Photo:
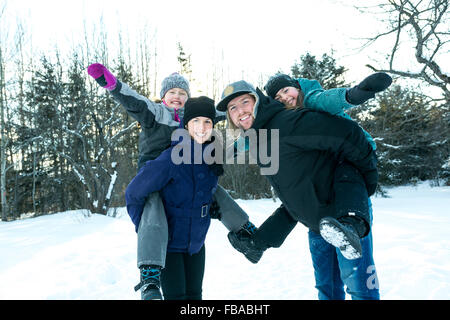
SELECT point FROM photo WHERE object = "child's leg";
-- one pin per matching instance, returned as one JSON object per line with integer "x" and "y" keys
{"x": 275, "y": 228}
{"x": 232, "y": 215}
{"x": 351, "y": 198}
{"x": 271, "y": 233}
{"x": 195, "y": 270}
{"x": 152, "y": 233}
{"x": 351, "y": 221}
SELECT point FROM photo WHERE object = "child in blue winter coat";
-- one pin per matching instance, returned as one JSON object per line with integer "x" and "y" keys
{"x": 187, "y": 192}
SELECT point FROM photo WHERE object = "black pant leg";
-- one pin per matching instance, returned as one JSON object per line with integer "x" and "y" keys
{"x": 351, "y": 193}
{"x": 195, "y": 270}
{"x": 173, "y": 277}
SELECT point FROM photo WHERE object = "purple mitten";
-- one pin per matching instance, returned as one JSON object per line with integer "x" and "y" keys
{"x": 102, "y": 75}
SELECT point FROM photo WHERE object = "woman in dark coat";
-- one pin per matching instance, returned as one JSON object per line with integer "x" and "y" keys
{"x": 186, "y": 190}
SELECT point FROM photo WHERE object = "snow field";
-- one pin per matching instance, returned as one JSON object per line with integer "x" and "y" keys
{"x": 71, "y": 256}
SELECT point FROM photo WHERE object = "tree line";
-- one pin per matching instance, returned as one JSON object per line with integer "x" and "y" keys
{"x": 70, "y": 146}
{"x": 66, "y": 144}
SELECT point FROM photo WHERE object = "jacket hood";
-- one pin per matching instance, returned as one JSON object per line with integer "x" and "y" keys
{"x": 265, "y": 110}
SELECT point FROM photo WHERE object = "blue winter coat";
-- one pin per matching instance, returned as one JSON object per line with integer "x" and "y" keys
{"x": 186, "y": 190}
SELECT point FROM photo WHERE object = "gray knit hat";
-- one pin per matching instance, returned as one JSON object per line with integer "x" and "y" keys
{"x": 175, "y": 80}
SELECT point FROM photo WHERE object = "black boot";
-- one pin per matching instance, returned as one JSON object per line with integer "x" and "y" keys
{"x": 361, "y": 227}
{"x": 245, "y": 243}
{"x": 368, "y": 87}
{"x": 150, "y": 283}
{"x": 342, "y": 235}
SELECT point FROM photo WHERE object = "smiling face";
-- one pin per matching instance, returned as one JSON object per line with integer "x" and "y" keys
{"x": 175, "y": 98}
{"x": 240, "y": 110}
{"x": 200, "y": 129}
{"x": 288, "y": 96}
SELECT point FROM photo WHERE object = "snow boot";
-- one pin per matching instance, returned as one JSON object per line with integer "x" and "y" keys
{"x": 341, "y": 235}
{"x": 368, "y": 87}
{"x": 249, "y": 227}
{"x": 150, "y": 283}
{"x": 245, "y": 243}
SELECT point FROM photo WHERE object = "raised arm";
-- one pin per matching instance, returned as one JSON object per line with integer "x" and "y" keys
{"x": 336, "y": 100}
{"x": 332, "y": 101}
{"x": 145, "y": 111}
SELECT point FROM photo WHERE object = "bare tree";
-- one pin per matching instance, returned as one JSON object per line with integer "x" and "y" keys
{"x": 3, "y": 138}
{"x": 427, "y": 25}
{"x": 96, "y": 130}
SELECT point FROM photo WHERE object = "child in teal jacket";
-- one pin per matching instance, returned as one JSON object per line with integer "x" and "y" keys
{"x": 301, "y": 92}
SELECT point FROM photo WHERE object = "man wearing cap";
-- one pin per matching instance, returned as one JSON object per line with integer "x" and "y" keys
{"x": 311, "y": 144}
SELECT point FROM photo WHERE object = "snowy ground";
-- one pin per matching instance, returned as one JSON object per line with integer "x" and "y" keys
{"x": 70, "y": 256}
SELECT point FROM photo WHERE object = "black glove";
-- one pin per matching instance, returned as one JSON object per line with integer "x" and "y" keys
{"x": 371, "y": 180}
{"x": 214, "y": 211}
{"x": 368, "y": 87}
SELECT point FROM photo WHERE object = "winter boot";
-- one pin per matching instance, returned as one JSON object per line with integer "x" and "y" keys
{"x": 342, "y": 235}
{"x": 249, "y": 227}
{"x": 361, "y": 227}
{"x": 150, "y": 283}
{"x": 368, "y": 87}
{"x": 244, "y": 242}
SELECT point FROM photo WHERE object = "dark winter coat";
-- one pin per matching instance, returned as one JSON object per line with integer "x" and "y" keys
{"x": 311, "y": 144}
{"x": 186, "y": 191}
{"x": 156, "y": 119}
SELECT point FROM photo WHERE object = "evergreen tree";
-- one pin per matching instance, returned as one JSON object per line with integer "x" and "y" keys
{"x": 325, "y": 70}
{"x": 44, "y": 173}
{"x": 412, "y": 145}
{"x": 185, "y": 62}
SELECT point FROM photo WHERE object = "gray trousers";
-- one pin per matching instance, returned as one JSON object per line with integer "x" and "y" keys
{"x": 152, "y": 236}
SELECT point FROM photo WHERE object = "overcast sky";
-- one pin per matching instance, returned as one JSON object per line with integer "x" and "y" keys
{"x": 255, "y": 36}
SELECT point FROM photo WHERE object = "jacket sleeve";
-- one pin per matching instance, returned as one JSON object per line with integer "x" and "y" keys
{"x": 145, "y": 111}
{"x": 152, "y": 177}
{"x": 343, "y": 138}
{"x": 332, "y": 101}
